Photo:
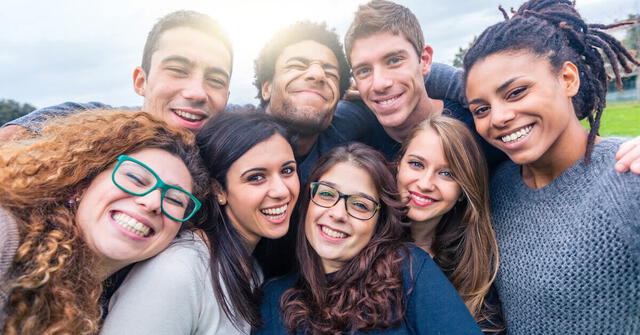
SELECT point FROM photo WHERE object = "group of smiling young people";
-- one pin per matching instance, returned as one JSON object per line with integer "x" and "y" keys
{"x": 403, "y": 212}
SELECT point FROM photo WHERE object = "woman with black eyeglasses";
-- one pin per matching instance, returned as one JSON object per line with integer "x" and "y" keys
{"x": 93, "y": 193}
{"x": 356, "y": 274}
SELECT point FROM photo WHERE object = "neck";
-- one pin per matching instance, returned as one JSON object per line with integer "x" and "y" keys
{"x": 568, "y": 149}
{"x": 424, "y": 108}
{"x": 423, "y": 234}
{"x": 303, "y": 144}
{"x": 105, "y": 268}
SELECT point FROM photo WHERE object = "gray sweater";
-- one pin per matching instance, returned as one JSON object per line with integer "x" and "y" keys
{"x": 9, "y": 241}
{"x": 570, "y": 251}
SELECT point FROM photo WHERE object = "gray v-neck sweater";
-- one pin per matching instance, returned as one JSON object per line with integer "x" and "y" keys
{"x": 570, "y": 251}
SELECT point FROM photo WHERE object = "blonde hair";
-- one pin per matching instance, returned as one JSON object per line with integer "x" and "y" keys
{"x": 465, "y": 245}
{"x": 54, "y": 289}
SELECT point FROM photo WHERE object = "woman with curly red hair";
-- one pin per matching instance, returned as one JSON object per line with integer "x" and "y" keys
{"x": 356, "y": 273}
{"x": 95, "y": 192}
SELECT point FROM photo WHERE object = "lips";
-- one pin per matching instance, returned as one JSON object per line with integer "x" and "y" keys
{"x": 132, "y": 225}
{"x": 515, "y": 136}
{"x": 387, "y": 100}
{"x": 312, "y": 92}
{"x": 421, "y": 199}
{"x": 275, "y": 214}
{"x": 332, "y": 234}
{"x": 190, "y": 114}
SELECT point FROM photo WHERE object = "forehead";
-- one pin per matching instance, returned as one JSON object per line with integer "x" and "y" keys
{"x": 427, "y": 144}
{"x": 310, "y": 50}
{"x": 350, "y": 179}
{"x": 377, "y": 45}
{"x": 201, "y": 48}
{"x": 270, "y": 153}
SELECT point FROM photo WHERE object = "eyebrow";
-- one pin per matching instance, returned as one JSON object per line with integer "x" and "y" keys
{"x": 260, "y": 169}
{"x": 385, "y": 56}
{"x": 499, "y": 90}
{"x": 307, "y": 61}
{"x": 364, "y": 195}
{"x": 187, "y": 62}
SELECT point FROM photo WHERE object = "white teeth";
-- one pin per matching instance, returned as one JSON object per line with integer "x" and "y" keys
{"x": 131, "y": 224}
{"x": 275, "y": 211}
{"x": 386, "y": 102}
{"x": 421, "y": 198}
{"x": 333, "y": 233}
{"x": 189, "y": 116}
{"x": 517, "y": 135}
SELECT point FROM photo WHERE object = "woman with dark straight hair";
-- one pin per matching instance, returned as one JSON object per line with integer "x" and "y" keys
{"x": 210, "y": 285}
{"x": 443, "y": 179}
{"x": 566, "y": 222}
{"x": 356, "y": 273}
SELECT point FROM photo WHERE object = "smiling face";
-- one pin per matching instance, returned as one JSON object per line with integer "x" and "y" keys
{"x": 122, "y": 228}
{"x": 425, "y": 180}
{"x": 336, "y": 236}
{"x": 389, "y": 76}
{"x": 188, "y": 79}
{"x": 304, "y": 89}
{"x": 262, "y": 190}
{"x": 523, "y": 107}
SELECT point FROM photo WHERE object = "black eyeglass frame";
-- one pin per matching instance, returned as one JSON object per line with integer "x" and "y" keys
{"x": 314, "y": 189}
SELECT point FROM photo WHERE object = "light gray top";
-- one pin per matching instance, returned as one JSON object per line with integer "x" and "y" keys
{"x": 570, "y": 251}
{"x": 170, "y": 294}
{"x": 9, "y": 241}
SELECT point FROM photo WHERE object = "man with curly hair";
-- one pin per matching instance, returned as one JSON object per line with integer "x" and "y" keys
{"x": 184, "y": 75}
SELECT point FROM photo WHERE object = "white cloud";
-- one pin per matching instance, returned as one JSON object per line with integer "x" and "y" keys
{"x": 55, "y": 51}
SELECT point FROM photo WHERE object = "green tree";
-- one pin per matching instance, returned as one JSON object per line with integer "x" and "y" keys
{"x": 632, "y": 40}
{"x": 457, "y": 59}
{"x": 11, "y": 109}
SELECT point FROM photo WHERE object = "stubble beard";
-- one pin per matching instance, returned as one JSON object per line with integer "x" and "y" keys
{"x": 302, "y": 123}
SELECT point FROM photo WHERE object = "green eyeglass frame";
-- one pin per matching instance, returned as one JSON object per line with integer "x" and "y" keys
{"x": 159, "y": 184}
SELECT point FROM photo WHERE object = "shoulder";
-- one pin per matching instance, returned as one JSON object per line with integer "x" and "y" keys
{"x": 274, "y": 288}
{"x": 34, "y": 120}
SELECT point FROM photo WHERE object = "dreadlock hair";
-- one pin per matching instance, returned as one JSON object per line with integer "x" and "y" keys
{"x": 555, "y": 30}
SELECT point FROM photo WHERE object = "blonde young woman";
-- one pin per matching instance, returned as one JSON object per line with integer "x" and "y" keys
{"x": 442, "y": 177}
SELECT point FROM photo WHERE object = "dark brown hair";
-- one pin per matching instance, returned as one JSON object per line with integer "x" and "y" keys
{"x": 183, "y": 18}
{"x": 555, "y": 30}
{"x": 318, "y": 304}
{"x": 381, "y": 16}
{"x": 465, "y": 245}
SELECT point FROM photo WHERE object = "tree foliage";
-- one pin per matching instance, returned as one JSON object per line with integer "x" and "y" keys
{"x": 632, "y": 40}
{"x": 457, "y": 59}
{"x": 11, "y": 109}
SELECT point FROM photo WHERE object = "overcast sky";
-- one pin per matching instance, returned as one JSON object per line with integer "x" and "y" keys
{"x": 66, "y": 50}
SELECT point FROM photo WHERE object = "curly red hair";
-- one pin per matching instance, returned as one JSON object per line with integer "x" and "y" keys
{"x": 54, "y": 289}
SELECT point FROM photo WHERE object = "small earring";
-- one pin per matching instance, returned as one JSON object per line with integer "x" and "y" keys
{"x": 73, "y": 201}
{"x": 221, "y": 201}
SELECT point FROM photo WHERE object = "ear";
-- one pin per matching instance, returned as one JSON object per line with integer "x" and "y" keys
{"x": 266, "y": 90}
{"x": 570, "y": 79}
{"x": 426, "y": 58}
{"x": 139, "y": 81}
{"x": 219, "y": 192}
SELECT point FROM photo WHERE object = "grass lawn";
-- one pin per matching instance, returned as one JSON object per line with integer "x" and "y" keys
{"x": 620, "y": 119}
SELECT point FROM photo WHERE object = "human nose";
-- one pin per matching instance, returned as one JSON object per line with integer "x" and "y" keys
{"x": 338, "y": 212}
{"x": 426, "y": 182}
{"x": 278, "y": 189}
{"x": 151, "y": 202}
{"x": 315, "y": 72}
{"x": 381, "y": 81}
{"x": 501, "y": 115}
{"x": 194, "y": 89}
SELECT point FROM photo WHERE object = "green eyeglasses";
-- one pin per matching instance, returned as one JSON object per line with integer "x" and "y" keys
{"x": 135, "y": 178}
{"x": 357, "y": 206}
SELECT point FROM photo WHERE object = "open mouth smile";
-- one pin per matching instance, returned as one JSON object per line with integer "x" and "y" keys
{"x": 275, "y": 213}
{"x": 132, "y": 225}
{"x": 517, "y": 135}
{"x": 188, "y": 116}
{"x": 334, "y": 234}
{"x": 388, "y": 101}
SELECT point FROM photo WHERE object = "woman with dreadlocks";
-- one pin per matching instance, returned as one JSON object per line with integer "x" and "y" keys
{"x": 566, "y": 222}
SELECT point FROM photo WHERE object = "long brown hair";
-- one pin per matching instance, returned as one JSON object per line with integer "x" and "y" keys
{"x": 54, "y": 288}
{"x": 319, "y": 304}
{"x": 465, "y": 245}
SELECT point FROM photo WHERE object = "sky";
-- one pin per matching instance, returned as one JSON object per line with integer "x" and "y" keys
{"x": 86, "y": 50}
